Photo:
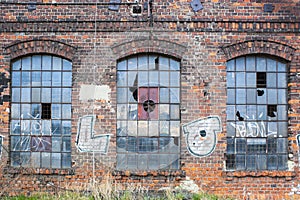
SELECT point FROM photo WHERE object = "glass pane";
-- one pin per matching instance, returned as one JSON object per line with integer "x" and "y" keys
{"x": 46, "y": 62}
{"x": 163, "y": 63}
{"x": 142, "y": 128}
{"x": 282, "y": 96}
{"x": 16, "y": 79}
{"x": 36, "y": 78}
{"x": 46, "y": 78}
{"x": 240, "y": 96}
{"x": 36, "y": 159}
{"x": 272, "y": 162}
{"x": 26, "y": 78}
{"x": 174, "y": 95}
{"x": 122, "y": 65}
{"x": 25, "y": 110}
{"x": 164, "y": 95}
{"x": 56, "y": 144}
{"x": 240, "y": 64}
{"x": 231, "y": 96}
{"x": 251, "y": 96}
{"x": 57, "y": 63}
{"x": 282, "y": 80}
{"x": 16, "y": 65}
{"x": 56, "y": 95}
{"x": 67, "y": 65}
{"x": 35, "y": 111}
{"x": 66, "y": 95}
{"x": 56, "y": 111}
{"x": 36, "y": 94}
{"x": 261, "y": 64}
{"x": 240, "y": 162}
{"x": 230, "y": 79}
{"x": 15, "y": 111}
{"x": 250, "y": 63}
{"x": 66, "y": 144}
{"x": 36, "y": 62}
{"x": 251, "y": 79}
{"x": 46, "y": 160}
{"x": 46, "y": 95}
{"x": 282, "y": 145}
{"x": 26, "y": 63}
{"x": 262, "y": 112}
{"x": 272, "y": 96}
{"x": 46, "y": 127}
{"x": 240, "y": 79}
{"x": 282, "y": 112}
{"x": 230, "y": 65}
{"x": 132, "y": 63}
{"x": 143, "y": 79}
{"x": 174, "y": 112}
{"x": 66, "y": 127}
{"x": 132, "y": 128}
{"x": 56, "y": 160}
{"x": 56, "y": 78}
{"x": 67, "y": 79}
{"x": 271, "y": 80}
{"x": 153, "y": 128}
{"x": 174, "y": 65}
{"x": 121, "y": 95}
{"x": 175, "y": 79}
{"x": 122, "y": 78}
{"x": 174, "y": 128}
{"x": 66, "y": 111}
{"x": 282, "y": 129}
{"x": 281, "y": 67}
{"x": 164, "y": 112}
{"x": 56, "y": 127}
{"x": 271, "y": 65}
{"x": 15, "y": 95}
{"x": 230, "y": 129}
{"x": 164, "y": 128}
{"x": 121, "y": 111}
{"x": 164, "y": 79}
{"x": 25, "y": 95}
{"x": 241, "y": 145}
{"x": 261, "y": 162}
{"x": 261, "y": 96}
{"x": 66, "y": 160}
{"x": 15, "y": 159}
{"x": 153, "y": 78}
{"x": 251, "y": 112}
{"x": 251, "y": 162}
{"x": 143, "y": 62}
{"x": 282, "y": 162}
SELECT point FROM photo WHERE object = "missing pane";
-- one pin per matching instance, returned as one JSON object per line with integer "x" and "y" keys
{"x": 272, "y": 110}
{"x": 46, "y": 110}
{"x": 261, "y": 79}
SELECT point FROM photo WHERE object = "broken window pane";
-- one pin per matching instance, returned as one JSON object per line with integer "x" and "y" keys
{"x": 261, "y": 79}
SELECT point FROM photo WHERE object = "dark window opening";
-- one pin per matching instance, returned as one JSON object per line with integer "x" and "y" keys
{"x": 272, "y": 109}
{"x": 261, "y": 81}
{"x": 46, "y": 111}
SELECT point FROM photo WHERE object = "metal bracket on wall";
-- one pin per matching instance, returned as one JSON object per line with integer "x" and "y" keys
{"x": 196, "y": 5}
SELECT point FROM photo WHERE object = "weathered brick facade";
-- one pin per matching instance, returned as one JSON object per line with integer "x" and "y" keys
{"x": 94, "y": 38}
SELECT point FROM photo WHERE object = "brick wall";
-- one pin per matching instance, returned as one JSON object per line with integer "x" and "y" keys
{"x": 94, "y": 38}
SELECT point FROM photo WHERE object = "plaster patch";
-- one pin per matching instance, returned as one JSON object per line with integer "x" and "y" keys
{"x": 94, "y": 92}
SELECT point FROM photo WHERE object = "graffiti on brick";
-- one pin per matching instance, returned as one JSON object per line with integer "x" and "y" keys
{"x": 201, "y": 137}
{"x": 87, "y": 140}
{"x": 3, "y": 84}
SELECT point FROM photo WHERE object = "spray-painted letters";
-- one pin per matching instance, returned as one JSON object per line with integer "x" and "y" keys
{"x": 86, "y": 141}
{"x": 201, "y": 135}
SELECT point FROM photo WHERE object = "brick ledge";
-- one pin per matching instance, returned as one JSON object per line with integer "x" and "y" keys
{"x": 39, "y": 171}
{"x": 176, "y": 174}
{"x": 288, "y": 175}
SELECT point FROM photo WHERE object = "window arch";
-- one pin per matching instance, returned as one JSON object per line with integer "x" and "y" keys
{"x": 40, "y": 127}
{"x": 257, "y": 113}
{"x": 148, "y": 112}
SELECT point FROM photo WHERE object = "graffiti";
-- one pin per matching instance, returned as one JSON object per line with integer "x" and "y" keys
{"x": 31, "y": 143}
{"x": 86, "y": 140}
{"x": 252, "y": 128}
{"x": 3, "y": 84}
{"x": 1, "y": 142}
{"x": 33, "y": 126}
{"x": 201, "y": 135}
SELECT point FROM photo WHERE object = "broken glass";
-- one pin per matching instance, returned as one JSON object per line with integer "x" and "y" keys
{"x": 261, "y": 96}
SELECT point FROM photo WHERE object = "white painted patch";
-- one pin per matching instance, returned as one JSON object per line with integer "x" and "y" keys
{"x": 94, "y": 92}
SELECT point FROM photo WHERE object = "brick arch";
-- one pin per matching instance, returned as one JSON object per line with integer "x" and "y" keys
{"x": 147, "y": 46}
{"x": 259, "y": 47}
{"x": 22, "y": 48}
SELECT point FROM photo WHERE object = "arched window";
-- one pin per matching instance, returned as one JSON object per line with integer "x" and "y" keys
{"x": 257, "y": 114}
{"x": 40, "y": 127}
{"x": 148, "y": 112}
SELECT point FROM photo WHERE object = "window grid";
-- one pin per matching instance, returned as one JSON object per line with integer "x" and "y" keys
{"x": 41, "y": 112}
{"x": 256, "y": 114}
{"x": 148, "y": 117}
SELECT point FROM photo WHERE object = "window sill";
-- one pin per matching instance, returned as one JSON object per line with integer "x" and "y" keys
{"x": 167, "y": 174}
{"x": 39, "y": 171}
{"x": 288, "y": 175}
